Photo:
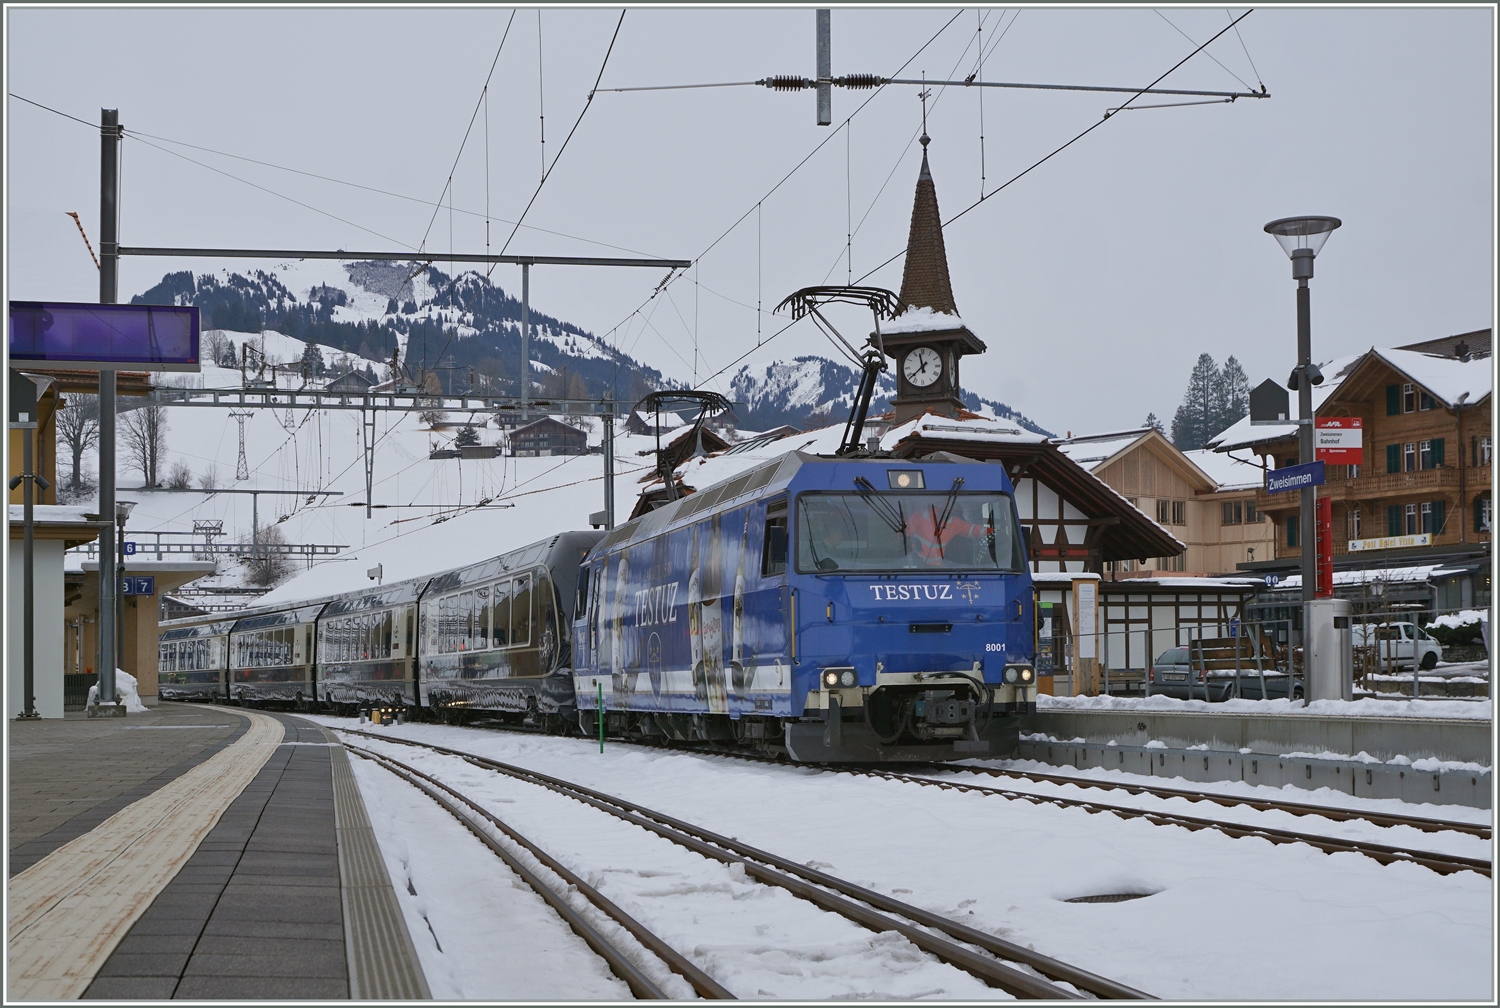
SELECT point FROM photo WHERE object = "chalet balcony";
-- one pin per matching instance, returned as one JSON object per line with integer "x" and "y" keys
{"x": 1422, "y": 483}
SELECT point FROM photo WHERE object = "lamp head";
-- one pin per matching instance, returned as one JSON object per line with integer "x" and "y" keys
{"x": 123, "y": 509}
{"x": 1297, "y": 233}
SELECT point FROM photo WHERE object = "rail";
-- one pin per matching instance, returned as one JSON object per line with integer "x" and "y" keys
{"x": 474, "y": 817}
{"x": 829, "y": 892}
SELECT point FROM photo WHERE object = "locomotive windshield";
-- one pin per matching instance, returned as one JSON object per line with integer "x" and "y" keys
{"x": 881, "y": 531}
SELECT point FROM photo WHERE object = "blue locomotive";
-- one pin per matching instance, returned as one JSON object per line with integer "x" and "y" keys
{"x": 848, "y": 609}
{"x": 834, "y": 609}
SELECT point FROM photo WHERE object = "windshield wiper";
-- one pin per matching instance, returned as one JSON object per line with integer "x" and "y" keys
{"x": 939, "y": 524}
{"x": 893, "y": 516}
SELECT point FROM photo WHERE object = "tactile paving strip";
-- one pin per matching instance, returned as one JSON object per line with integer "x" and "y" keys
{"x": 383, "y": 962}
{"x": 70, "y": 909}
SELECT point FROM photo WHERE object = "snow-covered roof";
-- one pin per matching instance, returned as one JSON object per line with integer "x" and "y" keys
{"x": 1197, "y": 582}
{"x": 1420, "y": 572}
{"x": 915, "y": 320}
{"x": 1227, "y": 472}
{"x": 958, "y": 429}
{"x": 1242, "y": 434}
{"x": 1445, "y": 378}
{"x": 52, "y": 512}
{"x": 1091, "y": 452}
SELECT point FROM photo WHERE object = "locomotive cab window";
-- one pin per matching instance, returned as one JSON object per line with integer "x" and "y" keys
{"x": 773, "y": 555}
{"x": 925, "y": 530}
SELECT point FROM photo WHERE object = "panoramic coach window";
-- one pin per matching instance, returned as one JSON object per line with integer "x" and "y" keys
{"x": 881, "y": 531}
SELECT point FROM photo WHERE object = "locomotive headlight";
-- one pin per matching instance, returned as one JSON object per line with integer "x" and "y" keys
{"x": 1012, "y": 675}
{"x": 835, "y": 677}
{"x": 1027, "y": 675}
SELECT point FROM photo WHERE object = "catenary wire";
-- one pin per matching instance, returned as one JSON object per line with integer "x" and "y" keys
{"x": 556, "y": 157}
{"x": 1037, "y": 164}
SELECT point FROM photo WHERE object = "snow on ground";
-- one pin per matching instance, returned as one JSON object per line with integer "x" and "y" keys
{"x": 478, "y": 934}
{"x": 1227, "y": 918}
{"x": 1480, "y": 709}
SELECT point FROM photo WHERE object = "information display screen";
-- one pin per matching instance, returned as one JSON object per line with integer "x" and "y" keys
{"x": 91, "y": 337}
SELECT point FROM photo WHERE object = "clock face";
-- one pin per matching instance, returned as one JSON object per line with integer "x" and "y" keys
{"x": 922, "y": 366}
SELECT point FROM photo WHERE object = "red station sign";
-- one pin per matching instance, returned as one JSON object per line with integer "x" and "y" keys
{"x": 1339, "y": 440}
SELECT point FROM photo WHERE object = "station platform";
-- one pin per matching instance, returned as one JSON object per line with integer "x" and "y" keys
{"x": 196, "y": 852}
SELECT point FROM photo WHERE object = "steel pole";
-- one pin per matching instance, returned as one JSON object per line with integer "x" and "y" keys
{"x": 109, "y": 205}
{"x": 28, "y": 588}
{"x": 1307, "y": 522}
{"x": 526, "y": 336}
{"x": 109, "y": 290}
{"x": 609, "y": 464}
{"x": 108, "y": 575}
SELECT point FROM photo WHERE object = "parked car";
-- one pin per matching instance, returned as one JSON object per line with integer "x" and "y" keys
{"x": 1172, "y": 674}
{"x": 1399, "y": 644}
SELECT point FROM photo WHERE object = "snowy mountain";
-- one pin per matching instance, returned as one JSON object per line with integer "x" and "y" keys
{"x": 463, "y": 329}
{"x": 466, "y": 331}
{"x": 812, "y": 390}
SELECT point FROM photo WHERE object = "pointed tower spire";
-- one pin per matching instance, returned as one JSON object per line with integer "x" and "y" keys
{"x": 924, "y": 281}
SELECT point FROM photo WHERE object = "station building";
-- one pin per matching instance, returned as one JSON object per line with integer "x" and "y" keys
{"x": 66, "y": 584}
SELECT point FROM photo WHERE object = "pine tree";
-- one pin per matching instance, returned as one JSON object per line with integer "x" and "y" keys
{"x": 1193, "y": 423}
{"x": 1154, "y": 423}
{"x": 312, "y": 361}
{"x": 1234, "y": 396}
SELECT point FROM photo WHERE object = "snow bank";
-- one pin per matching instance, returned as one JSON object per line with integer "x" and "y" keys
{"x": 1464, "y": 617}
{"x": 1480, "y": 710}
{"x": 125, "y": 692}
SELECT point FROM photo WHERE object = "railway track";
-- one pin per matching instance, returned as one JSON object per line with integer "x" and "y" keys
{"x": 1424, "y": 824}
{"x": 472, "y": 815}
{"x": 947, "y": 940}
{"x": 1231, "y": 801}
{"x": 1442, "y": 863}
{"x": 1385, "y": 854}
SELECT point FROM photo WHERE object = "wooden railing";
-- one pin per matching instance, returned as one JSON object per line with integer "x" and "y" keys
{"x": 1442, "y": 481}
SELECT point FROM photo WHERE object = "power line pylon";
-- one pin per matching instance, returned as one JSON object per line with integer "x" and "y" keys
{"x": 241, "y": 467}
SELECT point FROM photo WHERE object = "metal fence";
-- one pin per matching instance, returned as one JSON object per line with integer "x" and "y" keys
{"x": 1386, "y": 642}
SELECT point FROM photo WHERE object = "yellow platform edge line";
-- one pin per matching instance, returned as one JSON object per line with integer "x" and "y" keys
{"x": 70, "y": 910}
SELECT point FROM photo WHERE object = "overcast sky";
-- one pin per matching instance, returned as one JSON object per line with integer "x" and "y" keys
{"x": 1096, "y": 279}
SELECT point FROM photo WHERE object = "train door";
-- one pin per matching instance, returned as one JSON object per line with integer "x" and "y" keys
{"x": 772, "y": 622}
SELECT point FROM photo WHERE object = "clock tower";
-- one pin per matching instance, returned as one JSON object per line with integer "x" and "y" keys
{"x": 927, "y": 338}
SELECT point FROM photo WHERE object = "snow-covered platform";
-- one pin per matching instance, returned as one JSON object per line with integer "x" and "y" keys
{"x": 1417, "y": 751}
{"x": 196, "y": 852}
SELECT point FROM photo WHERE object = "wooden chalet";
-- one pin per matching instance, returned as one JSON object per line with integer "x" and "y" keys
{"x": 1423, "y": 492}
{"x": 548, "y": 437}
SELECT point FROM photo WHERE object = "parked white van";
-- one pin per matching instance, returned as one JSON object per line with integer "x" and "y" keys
{"x": 1400, "y": 644}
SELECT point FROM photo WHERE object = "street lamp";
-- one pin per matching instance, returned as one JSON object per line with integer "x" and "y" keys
{"x": 1302, "y": 238}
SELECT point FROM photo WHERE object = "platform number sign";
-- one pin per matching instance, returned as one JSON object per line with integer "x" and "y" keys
{"x": 138, "y": 586}
{"x": 128, "y": 548}
{"x": 1272, "y": 580}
